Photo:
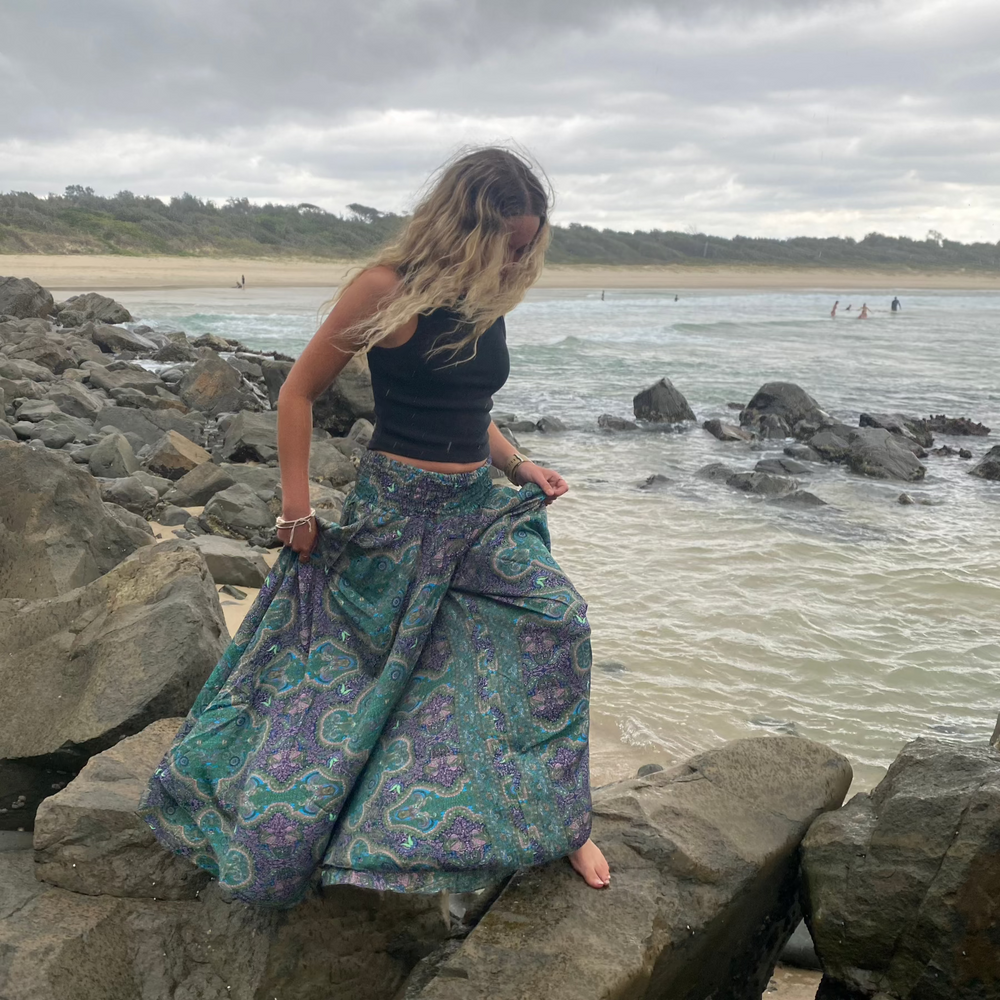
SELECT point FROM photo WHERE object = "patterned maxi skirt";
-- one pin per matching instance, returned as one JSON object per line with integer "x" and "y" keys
{"x": 408, "y": 710}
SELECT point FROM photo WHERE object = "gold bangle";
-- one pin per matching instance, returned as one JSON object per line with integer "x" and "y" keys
{"x": 511, "y": 466}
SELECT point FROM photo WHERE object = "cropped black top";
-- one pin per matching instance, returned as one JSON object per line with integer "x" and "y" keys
{"x": 437, "y": 409}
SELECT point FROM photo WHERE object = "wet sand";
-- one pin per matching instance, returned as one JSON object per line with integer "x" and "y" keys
{"x": 110, "y": 273}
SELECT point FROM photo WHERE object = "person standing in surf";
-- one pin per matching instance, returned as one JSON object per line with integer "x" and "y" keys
{"x": 406, "y": 705}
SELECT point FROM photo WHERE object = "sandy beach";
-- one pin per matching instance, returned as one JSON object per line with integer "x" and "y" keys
{"x": 110, "y": 273}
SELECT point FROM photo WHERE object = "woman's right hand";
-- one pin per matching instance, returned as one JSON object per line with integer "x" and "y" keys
{"x": 300, "y": 539}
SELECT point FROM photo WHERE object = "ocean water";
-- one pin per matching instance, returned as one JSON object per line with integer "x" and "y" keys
{"x": 861, "y": 624}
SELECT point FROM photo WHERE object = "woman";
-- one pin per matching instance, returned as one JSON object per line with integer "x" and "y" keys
{"x": 406, "y": 704}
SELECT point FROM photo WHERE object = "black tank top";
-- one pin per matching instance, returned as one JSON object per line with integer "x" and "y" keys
{"x": 434, "y": 409}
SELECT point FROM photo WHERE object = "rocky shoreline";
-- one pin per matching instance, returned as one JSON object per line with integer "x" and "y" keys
{"x": 108, "y": 427}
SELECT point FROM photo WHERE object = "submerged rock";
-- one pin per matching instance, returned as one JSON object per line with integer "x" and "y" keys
{"x": 957, "y": 426}
{"x": 781, "y": 410}
{"x": 662, "y": 403}
{"x": 989, "y": 467}
{"x": 726, "y": 432}
{"x": 609, "y": 422}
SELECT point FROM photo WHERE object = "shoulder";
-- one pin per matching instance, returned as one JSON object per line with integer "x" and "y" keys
{"x": 375, "y": 283}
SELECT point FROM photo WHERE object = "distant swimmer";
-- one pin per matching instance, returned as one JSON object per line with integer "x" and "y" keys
{"x": 243, "y": 281}
{"x": 896, "y": 304}
{"x": 864, "y": 311}
{"x": 677, "y": 298}
{"x": 848, "y": 309}
{"x": 833, "y": 311}
{"x": 602, "y": 294}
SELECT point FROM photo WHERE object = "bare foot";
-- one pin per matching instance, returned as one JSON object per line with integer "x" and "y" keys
{"x": 590, "y": 863}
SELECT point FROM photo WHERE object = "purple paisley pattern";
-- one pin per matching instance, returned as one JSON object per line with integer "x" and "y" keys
{"x": 408, "y": 710}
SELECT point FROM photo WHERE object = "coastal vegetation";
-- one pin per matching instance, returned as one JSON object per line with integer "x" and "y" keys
{"x": 81, "y": 221}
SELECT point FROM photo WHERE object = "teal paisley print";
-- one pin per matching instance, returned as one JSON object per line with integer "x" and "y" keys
{"x": 407, "y": 711}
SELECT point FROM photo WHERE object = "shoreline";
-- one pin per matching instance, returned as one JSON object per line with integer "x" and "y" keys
{"x": 110, "y": 273}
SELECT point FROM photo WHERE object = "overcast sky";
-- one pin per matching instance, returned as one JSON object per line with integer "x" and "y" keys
{"x": 762, "y": 117}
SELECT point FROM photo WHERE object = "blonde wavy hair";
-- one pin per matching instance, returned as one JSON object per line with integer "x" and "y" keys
{"x": 453, "y": 251}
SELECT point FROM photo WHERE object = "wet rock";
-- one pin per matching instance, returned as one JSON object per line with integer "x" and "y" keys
{"x": 113, "y": 458}
{"x": 232, "y": 561}
{"x": 648, "y": 769}
{"x": 214, "y": 342}
{"x": 964, "y": 453}
{"x": 80, "y": 671}
{"x": 24, "y": 298}
{"x": 781, "y": 467}
{"x": 876, "y": 453}
{"x": 237, "y": 512}
{"x": 129, "y": 493}
{"x": 79, "y": 309}
{"x": 114, "y": 339}
{"x": 945, "y": 451}
{"x": 957, "y": 426}
{"x": 800, "y": 498}
{"x": 761, "y": 484}
{"x": 901, "y": 882}
{"x": 347, "y": 400}
{"x": 89, "y": 837}
{"x": 715, "y": 472}
{"x": 522, "y": 426}
{"x": 175, "y": 353}
{"x": 608, "y": 422}
{"x": 802, "y": 453}
{"x": 197, "y": 487}
{"x": 550, "y": 425}
{"x": 726, "y": 432}
{"x": 783, "y": 409}
{"x": 832, "y": 443}
{"x": 911, "y": 430}
{"x": 213, "y": 387}
{"x": 703, "y": 895}
{"x": 174, "y": 455}
{"x": 655, "y": 481}
{"x": 662, "y": 403}
{"x": 989, "y": 466}
{"x": 252, "y": 437}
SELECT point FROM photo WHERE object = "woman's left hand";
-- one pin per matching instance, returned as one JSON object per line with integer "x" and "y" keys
{"x": 553, "y": 485}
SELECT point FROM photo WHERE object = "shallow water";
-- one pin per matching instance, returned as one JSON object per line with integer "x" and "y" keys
{"x": 861, "y": 624}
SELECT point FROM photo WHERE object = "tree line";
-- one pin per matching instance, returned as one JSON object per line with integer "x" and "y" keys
{"x": 80, "y": 221}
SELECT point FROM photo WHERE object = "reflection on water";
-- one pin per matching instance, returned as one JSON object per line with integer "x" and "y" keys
{"x": 861, "y": 624}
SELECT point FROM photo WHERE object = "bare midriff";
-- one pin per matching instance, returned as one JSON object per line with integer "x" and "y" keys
{"x": 448, "y": 468}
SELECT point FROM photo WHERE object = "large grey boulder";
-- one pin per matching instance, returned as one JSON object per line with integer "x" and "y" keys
{"x": 55, "y": 533}
{"x": 130, "y": 493}
{"x": 90, "y": 838}
{"x": 113, "y": 458}
{"x": 123, "y": 375}
{"x": 762, "y": 484}
{"x": 231, "y": 561}
{"x": 78, "y": 309}
{"x": 349, "y": 399}
{"x": 911, "y": 431}
{"x": 173, "y": 456}
{"x": 214, "y": 387}
{"x": 275, "y": 373}
{"x": 46, "y": 351}
{"x": 989, "y": 466}
{"x": 662, "y": 403}
{"x": 704, "y": 883}
{"x": 24, "y": 298}
{"x": 197, "y": 487}
{"x": 902, "y": 883}
{"x": 781, "y": 410}
{"x": 113, "y": 339}
{"x": 726, "y": 432}
{"x": 878, "y": 454}
{"x": 81, "y": 671}
{"x": 151, "y": 425}
{"x": 252, "y": 437}
{"x": 76, "y": 400}
{"x": 237, "y": 512}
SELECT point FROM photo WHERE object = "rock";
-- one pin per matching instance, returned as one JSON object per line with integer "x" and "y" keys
{"x": 113, "y": 458}
{"x": 913, "y": 431}
{"x": 995, "y": 738}
{"x": 832, "y": 443}
{"x": 113, "y": 339}
{"x": 157, "y": 483}
{"x": 24, "y": 369}
{"x": 55, "y": 533}
{"x": 550, "y": 425}
{"x": 231, "y": 561}
{"x": 715, "y": 472}
{"x": 213, "y": 387}
{"x": 328, "y": 464}
{"x": 75, "y": 400}
{"x": 704, "y": 861}
{"x": 230, "y": 591}
{"x": 129, "y": 493}
{"x": 726, "y": 432}
{"x": 781, "y": 467}
{"x": 957, "y": 426}
{"x": 213, "y": 342}
{"x": 150, "y": 425}
{"x": 174, "y": 455}
{"x": 608, "y": 422}
{"x": 964, "y": 453}
{"x": 252, "y": 437}
{"x": 90, "y": 838}
{"x": 171, "y": 516}
{"x": 783, "y": 409}
{"x": 902, "y": 883}
{"x": 508, "y": 435}
{"x": 197, "y": 487}
{"x": 175, "y": 353}
{"x": 522, "y": 426}
{"x": 249, "y": 369}
{"x": 761, "y": 484}
{"x": 800, "y": 498}
{"x": 989, "y": 466}
{"x": 37, "y": 409}
{"x": 163, "y": 400}
{"x": 80, "y": 671}
{"x": 800, "y": 951}
{"x": 275, "y": 373}
{"x": 237, "y": 512}
{"x": 264, "y": 480}
{"x": 6, "y": 434}
{"x": 123, "y": 375}
{"x": 648, "y": 769}
{"x": 24, "y": 298}
{"x": 44, "y": 351}
{"x": 78, "y": 309}
{"x": 59, "y": 433}
{"x": 735, "y": 406}
{"x": 655, "y": 481}
{"x": 347, "y": 400}
{"x": 877, "y": 453}
{"x": 662, "y": 403}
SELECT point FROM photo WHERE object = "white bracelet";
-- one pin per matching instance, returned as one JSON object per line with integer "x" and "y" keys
{"x": 281, "y": 522}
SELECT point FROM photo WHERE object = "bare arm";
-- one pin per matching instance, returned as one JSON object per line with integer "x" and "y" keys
{"x": 552, "y": 484}
{"x": 319, "y": 364}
